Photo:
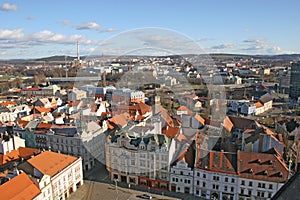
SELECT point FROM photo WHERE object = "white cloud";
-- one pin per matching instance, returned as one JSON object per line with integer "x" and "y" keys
{"x": 107, "y": 30}
{"x": 223, "y": 46}
{"x": 7, "y": 34}
{"x": 261, "y": 46}
{"x": 18, "y": 39}
{"x": 8, "y": 7}
{"x": 88, "y": 26}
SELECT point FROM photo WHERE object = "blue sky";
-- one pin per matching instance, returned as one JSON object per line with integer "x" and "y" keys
{"x": 35, "y": 28}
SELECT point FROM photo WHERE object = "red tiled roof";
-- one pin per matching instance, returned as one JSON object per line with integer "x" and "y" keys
{"x": 9, "y": 157}
{"x": 7, "y": 103}
{"x": 228, "y": 125}
{"x": 166, "y": 117}
{"x": 14, "y": 155}
{"x": 42, "y": 109}
{"x": 31, "y": 89}
{"x": 44, "y": 126}
{"x": 19, "y": 187}
{"x": 170, "y": 132}
{"x": 262, "y": 166}
{"x": 181, "y": 137}
{"x": 120, "y": 120}
{"x": 242, "y": 123}
{"x": 143, "y": 108}
{"x": 51, "y": 163}
{"x": 222, "y": 162}
{"x": 184, "y": 108}
{"x": 258, "y": 105}
{"x": 22, "y": 123}
{"x": 200, "y": 119}
{"x": 25, "y": 152}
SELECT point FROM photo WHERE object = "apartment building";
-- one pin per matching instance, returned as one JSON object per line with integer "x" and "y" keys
{"x": 58, "y": 175}
{"x": 142, "y": 160}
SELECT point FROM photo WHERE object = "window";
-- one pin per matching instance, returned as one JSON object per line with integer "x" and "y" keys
{"x": 226, "y": 179}
{"x": 259, "y": 185}
{"x": 258, "y": 193}
{"x": 269, "y": 195}
{"x": 215, "y": 178}
{"x": 198, "y": 182}
{"x": 250, "y": 183}
{"x": 132, "y": 162}
{"x": 249, "y": 192}
{"x": 181, "y": 172}
{"x": 243, "y": 182}
{"x": 204, "y": 176}
{"x": 263, "y": 185}
{"x": 232, "y": 189}
{"x": 232, "y": 180}
{"x": 225, "y": 188}
{"x": 270, "y": 186}
{"x": 242, "y": 190}
{"x": 203, "y": 184}
{"x": 198, "y": 174}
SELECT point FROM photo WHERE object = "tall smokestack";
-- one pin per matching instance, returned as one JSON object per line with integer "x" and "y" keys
{"x": 78, "y": 53}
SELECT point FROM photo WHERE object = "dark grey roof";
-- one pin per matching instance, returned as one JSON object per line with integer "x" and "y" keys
{"x": 290, "y": 190}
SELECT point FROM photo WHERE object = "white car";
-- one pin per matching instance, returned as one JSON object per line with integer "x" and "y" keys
{"x": 145, "y": 196}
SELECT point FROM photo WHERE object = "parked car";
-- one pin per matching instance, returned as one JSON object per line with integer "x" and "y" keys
{"x": 145, "y": 196}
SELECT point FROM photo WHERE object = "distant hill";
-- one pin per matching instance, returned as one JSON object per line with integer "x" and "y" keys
{"x": 58, "y": 58}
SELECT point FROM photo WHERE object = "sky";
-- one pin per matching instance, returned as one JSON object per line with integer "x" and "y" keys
{"x": 35, "y": 28}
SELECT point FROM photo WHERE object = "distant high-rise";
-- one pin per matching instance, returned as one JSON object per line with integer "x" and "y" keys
{"x": 78, "y": 53}
{"x": 295, "y": 81}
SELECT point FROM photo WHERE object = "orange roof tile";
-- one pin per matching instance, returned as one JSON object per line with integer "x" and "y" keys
{"x": 25, "y": 152}
{"x": 9, "y": 157}
{"x": 228, "y": 125}
{"x": 121, "y": 119}
{"x": 143, "y": 108}
{"x": 14, "y": 155}
{"x": 51, "y": 163}
{"x": 181, "y": 137}
{"x": 184, "y": 108}
{"x": 7, "y": 103}
{"x": 31, "y": 89}
{"x": 200, "y": 119}
{"x": 22, "y": 123}
{"x": 42, "y": 109}
{"x": 258, "y": 105}
{"x": 44, "y": 126}
{"x": 19, "y": 187}
{"x": 166, "y": 117}
{"x": 170, "y": 132}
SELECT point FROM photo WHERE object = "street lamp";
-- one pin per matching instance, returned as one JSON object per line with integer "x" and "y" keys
{"x": 117, "y": 193}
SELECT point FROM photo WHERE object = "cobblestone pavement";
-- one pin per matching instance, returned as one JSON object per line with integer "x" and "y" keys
{"x": 98, "y": 186}
{"x": 105, "y": 191}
